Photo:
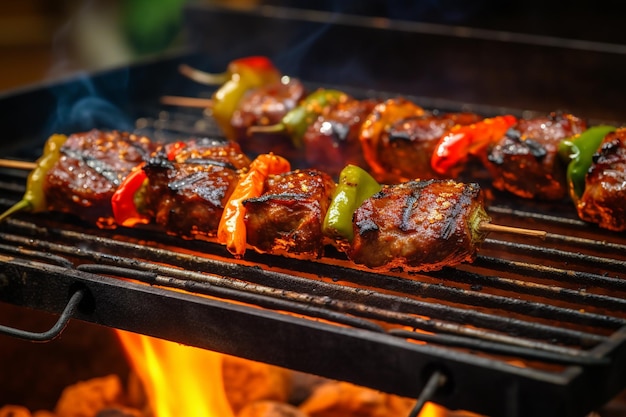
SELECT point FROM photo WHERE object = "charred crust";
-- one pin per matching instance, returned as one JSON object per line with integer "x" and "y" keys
{"x": 280, "y": 196}
{"x": 159, "y": 161}
{"x": 514, "y": 134}
{"x": 210, "y": 162}
{"x": 366, "y": 226}
{"x": 399, "y": 135}
{"x": 407, "y": 210}
{"x": 536, "y": 149}
{"x": 339, "y": 131}
{"x": 97, "y": 165}
{"x": 186, "y": 181}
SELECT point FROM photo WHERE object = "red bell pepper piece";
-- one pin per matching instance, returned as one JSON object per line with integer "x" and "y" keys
{"x": 461, "y": 141}
{"x": 123, "y": 201}
{"x": 232, "y": 228}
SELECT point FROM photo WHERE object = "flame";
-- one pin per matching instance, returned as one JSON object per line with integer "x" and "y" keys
{"x": 178, "y": 380}
{"x": 186, "y": 381}
{"x": 433, "y": 410}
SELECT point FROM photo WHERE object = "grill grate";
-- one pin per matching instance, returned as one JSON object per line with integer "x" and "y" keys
{"x": 500, "y": 314}
{"x": 532, "y": 327}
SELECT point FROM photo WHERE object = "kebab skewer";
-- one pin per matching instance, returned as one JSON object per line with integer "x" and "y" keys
{"x": 205, "y": 188}
{"x": 79, "y": 174}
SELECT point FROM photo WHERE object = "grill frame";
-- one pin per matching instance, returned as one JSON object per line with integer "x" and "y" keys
{"x": 33, "y": 278}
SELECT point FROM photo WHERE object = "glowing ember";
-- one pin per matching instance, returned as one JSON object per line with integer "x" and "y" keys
{"x": 179, "y": 380}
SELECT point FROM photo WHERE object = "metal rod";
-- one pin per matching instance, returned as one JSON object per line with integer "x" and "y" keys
{"x": 55, "y": 330}
{"x": 436, "y": 381}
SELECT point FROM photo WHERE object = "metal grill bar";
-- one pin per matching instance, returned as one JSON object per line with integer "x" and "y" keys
{"x": 542, "y": 271}
{"x": 543, "y": 290}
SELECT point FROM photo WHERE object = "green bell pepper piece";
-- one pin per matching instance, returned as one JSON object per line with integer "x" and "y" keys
{"x": 298, "y": 119}
{"x": 354, "y": 187}
{"x": 579, "y": 150}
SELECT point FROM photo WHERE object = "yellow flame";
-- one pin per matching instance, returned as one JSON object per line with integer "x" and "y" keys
{"x": 178, "y": 380}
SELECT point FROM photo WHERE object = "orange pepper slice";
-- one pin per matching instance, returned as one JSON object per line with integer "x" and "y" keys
{"x": 232, "y": 228}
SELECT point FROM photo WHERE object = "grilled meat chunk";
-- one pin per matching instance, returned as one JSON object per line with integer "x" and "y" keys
{"x": 188, "y": 185}
{"x": 207, "y": 151}
{"x": 91, "y": 167}
{"x": 526, "y": 161}
{"x": 381, "y": 118}
{"x": 604, "y": 199}
{"x": 406, "y": 147}
{"x": 419, "y": 226}
{"x": 332, "y": 141}
{"x": 266, "y": 106}
{"x": 288, "y": 216}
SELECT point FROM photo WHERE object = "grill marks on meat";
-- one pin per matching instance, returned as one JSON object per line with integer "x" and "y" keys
{"x": 288, "y": 217}
{"x": 186, "y": 195}
{"x": 332, "y": 141}
{"x": 91, "y": 167}
{"x": 604, "y": 199}
{"x": 406, "y": 147}
{"x": 526, "y": 161}
{"x": 418, "y": 225}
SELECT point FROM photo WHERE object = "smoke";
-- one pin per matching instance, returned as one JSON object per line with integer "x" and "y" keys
{"x": 87, "y": 43}
{"x": 81, "y": 105}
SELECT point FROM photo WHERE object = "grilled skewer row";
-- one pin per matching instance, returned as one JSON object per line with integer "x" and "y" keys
{"x": 396, "y": 140}
{"x": 187, "y": 188}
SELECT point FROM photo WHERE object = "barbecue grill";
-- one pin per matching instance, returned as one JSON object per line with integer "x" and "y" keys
{"x": 532, "y": 327}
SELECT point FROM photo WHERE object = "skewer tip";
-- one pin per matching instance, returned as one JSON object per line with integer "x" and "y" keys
{"x": 202, "y": 77}
{"x": 187, "y": 101}
{"x": 17, "y": 164}
{"x": 497, "y": 228}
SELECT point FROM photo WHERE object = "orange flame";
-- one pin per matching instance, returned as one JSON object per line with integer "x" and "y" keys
{"x": 179, "y": 380}
{"x": 185, "y": 381}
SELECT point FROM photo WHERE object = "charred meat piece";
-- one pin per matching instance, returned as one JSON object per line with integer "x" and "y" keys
{"x": 266, "y": 106}
{"x": 91, "y": 167}
{"x": 189, "y": 184}
{"x": 207, "y": 151}
{"x": 604, "y": 199}
{"x": 407, "y": 146}
{"x": 288, "y": 217}
{"x": 332, "y": 141}
{"x": 382, "y": 117}
{"x": 526, "y": 161}
{"x": 419, "y": 226}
